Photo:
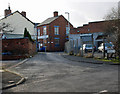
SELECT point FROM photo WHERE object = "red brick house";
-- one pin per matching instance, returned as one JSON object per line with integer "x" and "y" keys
{"x": 53, "y": 33}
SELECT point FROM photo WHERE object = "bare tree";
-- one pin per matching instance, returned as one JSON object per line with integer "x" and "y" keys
{"x": 112, "y": 28}
{"x": 5, "y": 28}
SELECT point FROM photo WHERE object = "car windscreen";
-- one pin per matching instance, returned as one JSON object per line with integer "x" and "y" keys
{"x": 108, "y": 44}
{"x": 89, "y": 45}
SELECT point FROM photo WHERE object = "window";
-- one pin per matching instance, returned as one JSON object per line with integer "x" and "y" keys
{"x": 38, "y": 32}
{"x": 56, "y": 29}
{"x": 44, "y": 30}
{"x": 88, "y": 29}
{"x": 67, "y": 30}
{"x": 57, "y": 42}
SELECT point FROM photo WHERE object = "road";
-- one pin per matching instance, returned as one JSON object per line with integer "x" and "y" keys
{"x": 50, "y": 72}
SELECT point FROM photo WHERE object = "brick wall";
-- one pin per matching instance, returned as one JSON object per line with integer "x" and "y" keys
{"x": 17, "y": 48}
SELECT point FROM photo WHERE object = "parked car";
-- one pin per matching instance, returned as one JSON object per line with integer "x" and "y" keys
{"x": 87, "y": 48}
{"x": 108, "y": 46}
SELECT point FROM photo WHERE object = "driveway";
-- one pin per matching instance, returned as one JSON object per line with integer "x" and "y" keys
{"x": 50, "y": 72}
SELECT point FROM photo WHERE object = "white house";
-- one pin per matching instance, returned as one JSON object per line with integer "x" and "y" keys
{"x": 17, "y": 23}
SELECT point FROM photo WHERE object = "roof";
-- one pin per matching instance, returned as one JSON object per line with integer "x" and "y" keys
{"x": 48, "y": 21}
{"x": 19, "y": 13}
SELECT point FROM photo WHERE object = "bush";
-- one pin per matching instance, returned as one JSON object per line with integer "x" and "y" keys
{"x": 27, "y": 34}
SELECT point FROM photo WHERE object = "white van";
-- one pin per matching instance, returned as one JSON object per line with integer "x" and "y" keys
{"x": 108, "y": 46}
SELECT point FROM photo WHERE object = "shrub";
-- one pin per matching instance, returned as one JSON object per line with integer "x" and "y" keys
{"x": 27, "y": 34}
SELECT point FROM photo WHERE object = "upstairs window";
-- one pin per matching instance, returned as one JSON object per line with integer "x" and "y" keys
{"x": 56, "y": 29}
{"x": 88, "y": 29}
{"x": 44, "y": 30}
{"x": 67, "y": 30}
{"x": 38, "y": 32}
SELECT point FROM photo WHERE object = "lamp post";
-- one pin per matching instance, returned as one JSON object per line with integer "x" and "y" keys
{"x": 68, "y": 23}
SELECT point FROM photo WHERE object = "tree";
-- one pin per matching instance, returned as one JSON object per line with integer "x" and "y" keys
{"x": 112, "y": 28}
{"x": 27, "y": 34}
{"x": 5, "y": 28}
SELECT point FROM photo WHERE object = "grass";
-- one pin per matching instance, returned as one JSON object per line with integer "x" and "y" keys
{"x": 113, "y": 60}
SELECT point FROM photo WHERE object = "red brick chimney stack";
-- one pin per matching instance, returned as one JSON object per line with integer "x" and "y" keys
{"x": 7, "y": 11}
{"x": 23, "y": 13}
{"x": 55, "y": 14}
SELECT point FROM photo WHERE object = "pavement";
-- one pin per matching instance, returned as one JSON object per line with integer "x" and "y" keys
{"x": 10, "y": 78}
{"x": 86, "y": 60}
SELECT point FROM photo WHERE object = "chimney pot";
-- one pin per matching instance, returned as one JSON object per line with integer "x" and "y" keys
{"x": 56, "y": 14}
{"x": 7, "y": 12}
{"x": 23, "y": 13}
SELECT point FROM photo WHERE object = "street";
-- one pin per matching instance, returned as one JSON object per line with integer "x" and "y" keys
{"x": 50, "y": 72}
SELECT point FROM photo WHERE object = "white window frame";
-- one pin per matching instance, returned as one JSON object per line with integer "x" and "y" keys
{"x": 56, "y": 30}
{"x": 67, "y": 30}
{"x": 44, "y": 30}
{"x": 38, "y": 32}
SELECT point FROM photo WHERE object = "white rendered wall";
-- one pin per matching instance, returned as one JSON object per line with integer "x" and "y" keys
{"x": 19, "y": 23}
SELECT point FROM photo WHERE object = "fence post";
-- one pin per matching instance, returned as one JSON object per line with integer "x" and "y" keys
{"x": 103, "y": 47}
{"x": 92, "y": 46}
{"x": 77, "y": 46}
{"x": 81, "y": 46}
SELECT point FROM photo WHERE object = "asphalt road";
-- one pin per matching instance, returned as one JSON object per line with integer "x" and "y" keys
{"x": 50, "y": 72}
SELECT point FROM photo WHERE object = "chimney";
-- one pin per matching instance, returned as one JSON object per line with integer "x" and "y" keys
{"x": 56, "y": 14}
{"x": 7, "y": 11}
{"x": 23, "y": 13}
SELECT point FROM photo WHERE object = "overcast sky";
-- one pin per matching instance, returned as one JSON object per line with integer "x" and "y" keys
{"x": 81, "y": 11}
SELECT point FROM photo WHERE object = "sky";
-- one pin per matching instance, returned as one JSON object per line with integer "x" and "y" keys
{"x": 81, "y": 11}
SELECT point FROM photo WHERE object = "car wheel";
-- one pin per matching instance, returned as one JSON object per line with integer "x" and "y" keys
{"x": 99, "y": 51}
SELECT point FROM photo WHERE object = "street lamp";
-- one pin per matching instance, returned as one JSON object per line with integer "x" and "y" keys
{"x": 68, "y": 23}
